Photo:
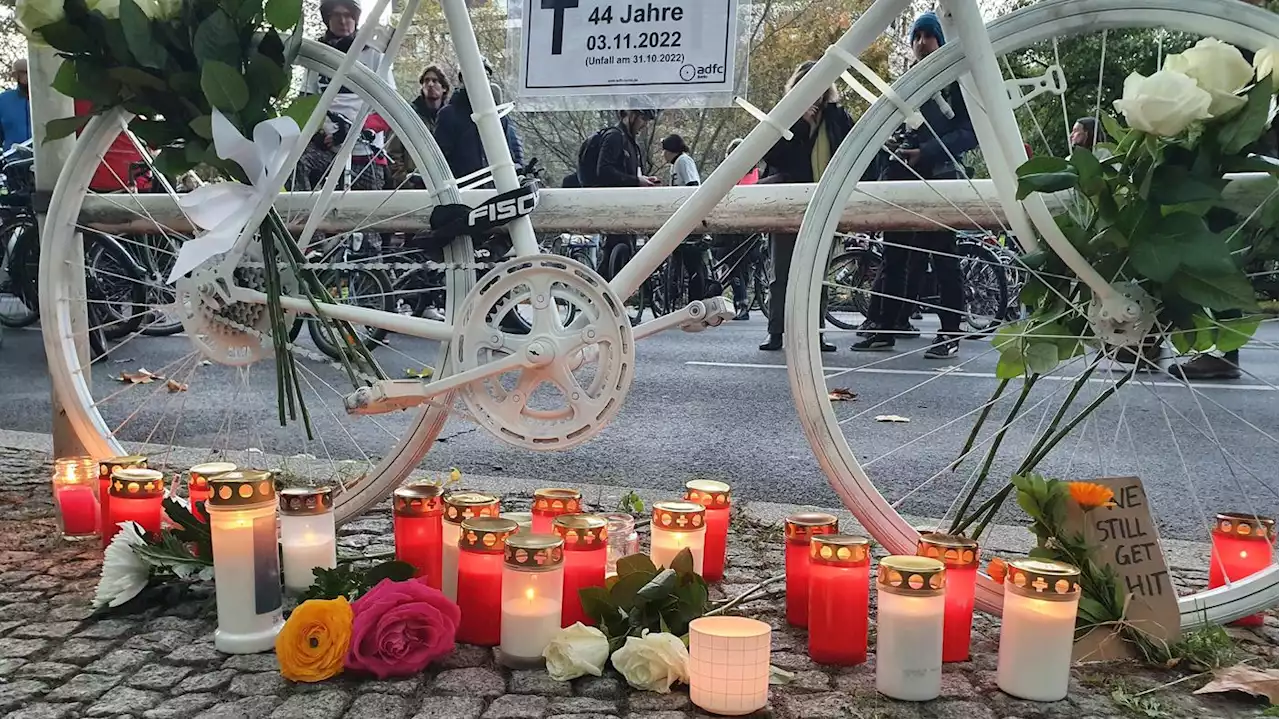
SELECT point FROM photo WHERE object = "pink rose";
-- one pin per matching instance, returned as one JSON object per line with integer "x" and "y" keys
{"x": 401, "y": 627}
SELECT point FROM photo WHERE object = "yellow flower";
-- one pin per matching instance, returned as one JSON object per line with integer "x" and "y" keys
{"x": 1090, "y": 495}
{"x": 313, "y": 643}
{"x": 997, "y": 569}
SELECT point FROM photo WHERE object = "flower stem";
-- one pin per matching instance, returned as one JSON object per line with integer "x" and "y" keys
{"x": 956, "y": 524}
{"x": 743, "y": 596}
{"x": 982, "y": 419}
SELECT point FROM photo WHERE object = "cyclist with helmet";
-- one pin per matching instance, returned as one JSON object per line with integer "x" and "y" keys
{"x": 616, "y": 162}
{"x": 368, "y": 162}
{"x": 459, "y": 138}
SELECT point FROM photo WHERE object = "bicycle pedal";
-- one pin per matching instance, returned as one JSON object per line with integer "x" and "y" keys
{"x": 388, "y": 395}
{"x": 714, "y": 312}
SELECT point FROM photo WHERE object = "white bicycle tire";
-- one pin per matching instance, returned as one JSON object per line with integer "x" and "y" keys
{"x": 1232, "y": 22}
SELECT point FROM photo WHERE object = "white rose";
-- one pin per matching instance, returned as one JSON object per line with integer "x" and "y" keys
{"x": 124, "y": 574}
{"x": 1218, "y": 68}
{"x": 35, "y": 14}
{"x": 576, "y": 651}
{"x": 1264, "y": 65}
{"x": 110, "y": 9}
{"x": 653, "y": 662}
{"x": 1163, "y": 104}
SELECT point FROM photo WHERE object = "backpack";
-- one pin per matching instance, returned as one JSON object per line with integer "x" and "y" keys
{"x": 589, "y": 158}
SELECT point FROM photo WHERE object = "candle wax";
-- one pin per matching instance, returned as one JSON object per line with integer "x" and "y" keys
{"x": 581, "y": 570}
{"x": 146, "y": 512}
{"x": 246, "y": 574}
{"x": 301, "y": 556}
{"x": 1036, "y": 639}
{"x": 418, "y": 542}
{"x": 542, "y": 523}
{"x": 664, "y": 546}
{"x": 450, "y": 534}
{"x": 959, "y": 615}
{"x": 839, "y": 599}
{"x": 1233, "y": 559}
{"x": 797, "y": 583}
{"x": 79, "y": 510}
{"x": 528, "y": 626}
{"x": 480, "y": 598}
{"x": 909, "y": 646}
{"x": 717, "y": 521}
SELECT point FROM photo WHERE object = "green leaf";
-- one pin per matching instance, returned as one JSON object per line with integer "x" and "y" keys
{"x": 300, "y": 111}
{"x": 1155, "y": 256}
{"x": 65, "y": 127}
{"x": 247, "y": 11}
{"x": 633, "y": 563}
{"x": 691, "y": 603}
{"x": 623, "y": 593}
{"x": 264, "y": 77}
{"x": 1029, "y": 505}
{"x": 341, "y": 581}
{"x": 224, "y": 87}
{"x": 1234, "y": 333}
{"x": 137, "y": 79}
{"x": 217, "y": 39}
{"x": 595, "y": 602}
{"x": 682, "y": 563}
{"x": 172, "y": 162}
{"x": 394, "y": 570}
{"x": 273, "y": 47}
{"x": 67, "y": 82}
{"x": 1175, "y": 185}
{"x": 1245, "y": 127}
{"x": 1040, "y": 357}
{"x": 67, "y": 37}
{"x": 1204, "y": 336}
{"x": 1010, "y": 368}
{"x": 137, "y": 33}
{"x": 658, "y": 588}
{"x": 1217, "y": 291}
{"x": 284, "y": 14}
{"x": 1181, "y": 341}
{"x": 1042, "y": 164}
{"x": 1092, "y": 611}
{"x": 1089, "y": 169}
{"x": 1042, "y": 553}
{"x": 202, "y": 126}
{"x": 1113, "y": 128}
{"x": 1046, "y": 182}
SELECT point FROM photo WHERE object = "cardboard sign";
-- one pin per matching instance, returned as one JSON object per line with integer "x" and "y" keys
{"x": 1126, "y": 540}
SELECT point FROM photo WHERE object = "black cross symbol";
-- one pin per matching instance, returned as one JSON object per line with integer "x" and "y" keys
{"x": 557, "y": 22}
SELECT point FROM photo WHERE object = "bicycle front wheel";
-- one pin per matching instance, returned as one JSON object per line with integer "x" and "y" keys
{"x": 1190, "y": 447}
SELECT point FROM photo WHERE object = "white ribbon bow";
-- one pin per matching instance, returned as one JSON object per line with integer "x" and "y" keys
{"x": 222, "y": 209}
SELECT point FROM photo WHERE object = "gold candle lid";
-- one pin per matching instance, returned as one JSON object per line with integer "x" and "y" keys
{"x": 417, "y": 500}
{"x": 804, "y": 526}
{"x": 241, "y": 488}
{"x": 303, "y": 501}
{"x": 1043, "y": 579}
{"x": 555, "y": 502}
{"x": 707, "y": 492}
{"x": 840, "y": 550}
{"x": 486, "y": 534}
{"x": 1244, "y": 525}
{"x": 462, "y": 505}
{"x": 136, "y": 483}
{"x": 581, "y": 532}
{"x": 679, "y": 516}
{"x": 951, "y": 549}
{"x": 199, "y": 475}
{"x": 107, "y": 466}
{"x": 533, "y": 552}
{"x": 908, "y": 574}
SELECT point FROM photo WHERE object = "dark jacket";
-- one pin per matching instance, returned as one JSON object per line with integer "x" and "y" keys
{"x": 791, "y": 158}
{"x": 401, "y": 162}
{"x": 954, "y": 134}
{"x": 459, "y": 138}
{"x": 619, "y": 161}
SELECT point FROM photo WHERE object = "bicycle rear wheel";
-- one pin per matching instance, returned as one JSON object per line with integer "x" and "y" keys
{"x": 19, "y": 301}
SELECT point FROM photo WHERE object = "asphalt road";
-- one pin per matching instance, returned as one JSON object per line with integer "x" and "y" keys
{"x": 711, "y": 405}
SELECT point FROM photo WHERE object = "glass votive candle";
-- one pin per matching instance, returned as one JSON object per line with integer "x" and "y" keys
{"x": 677, "y": 526}
{"x": 533, "y": 588}
{"x": 480, "y": 564}
{"x": 246, "y": 561}
{"x": 137, "y": 495}
{"x": 714, "y": 497}
{"x": 523, "y": 520}
{"x": 308, "y": 538}
{"x": 729, "y": 664}
{"x": 105, "y": 468}
{"x": 799, "y": 529}
{"x": 549, "y": 503}
{"x": 198, "y": 484}
{"x": 1037, "y": 629}
{"x": 417, "y": 514}
{"x": 586, "y": 538}
{"x": 911, "y": 603}
{"x": 623, "y": 540}
{"x": 75, "y": 497}
{"x": 458, "y": 507}
{"x": 960, "y": 556}
{"x": 1241, "y": 544}
{"x": 839, "y": 598}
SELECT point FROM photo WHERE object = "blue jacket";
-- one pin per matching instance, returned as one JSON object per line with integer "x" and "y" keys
{"x": 15, "y": 117}
{"x": 459, "y": 138}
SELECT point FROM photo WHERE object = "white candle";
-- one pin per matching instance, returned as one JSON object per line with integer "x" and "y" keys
{"x": 911, "y": 607}
{"x": 458, "y": 507}
{"x": 523, "y": 519}
{"x": 532, "y": 596}
{"x": 677, "y": 526}
{"x": 449, "y": 534}
{"x": 729, "y": 664}
{"x": 308, "y": 538}
{"x": 528, "y": 626}
{"x": 246, "y": 569}
{"x": 1037, "y": 629}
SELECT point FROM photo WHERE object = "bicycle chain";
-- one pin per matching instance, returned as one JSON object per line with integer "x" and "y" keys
{"x": 390, "y": 266}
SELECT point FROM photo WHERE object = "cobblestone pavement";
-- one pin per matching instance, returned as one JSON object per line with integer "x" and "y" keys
{"x": 56, "y": 661}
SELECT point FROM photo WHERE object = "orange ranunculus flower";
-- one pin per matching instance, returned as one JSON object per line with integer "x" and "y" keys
{"x": 313, "y": 643}
{"x": 997, "y": 569}
{"x": 1090, "y": 495}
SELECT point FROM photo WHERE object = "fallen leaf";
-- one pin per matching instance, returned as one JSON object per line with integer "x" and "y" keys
{"x": 142, "y": 376}
{"x": 1241, "y": 678}
{"x": 842, "y": 394}
{"x": 126, "y": 360}
{"x": 778, "y": 676}
{"x": 424, "y": 373}
{"x": 891, "y": 418}
{"x": 176, "y": 386}
{"x": 204, "y": 363}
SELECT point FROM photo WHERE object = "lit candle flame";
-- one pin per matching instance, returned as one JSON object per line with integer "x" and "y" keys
{"x": 529, "y": 594}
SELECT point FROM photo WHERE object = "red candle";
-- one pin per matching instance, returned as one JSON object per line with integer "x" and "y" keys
{"x": 480, "y": 579}
{"x": 586, "y": 549}
{"x": 550, "y": 503}
{"x": 74, "y": 496}
{"x": 105, "y": 468}
{"x": 198, "y": 484}
{"x": 1242, "y": 545}
{"x": 715, "y": 497}
{"x": 960, "y": 556}
{"x": 800, "y": 528}
{"x": 418, "y": 512}
{"x": 136, "y": 496}
{"x": 839, "y": 598}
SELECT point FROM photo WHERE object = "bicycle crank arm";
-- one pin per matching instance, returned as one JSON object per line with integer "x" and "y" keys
{"x": 695, "y": 317}
{"x": 390, "y": 395}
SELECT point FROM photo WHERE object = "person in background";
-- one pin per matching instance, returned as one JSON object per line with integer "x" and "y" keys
{"x": 433, "y": 93}
{"x": 931, "y": 152}
{"x": 684, "y": 173}
{"x": 15, "y": 108}
{"x": 612, "y": 158}
{"x": 728, "y": 243}
{"x": 803, "y": 158}
{"x": 1086, "y": 133}
{"x": 459, "y": 138}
